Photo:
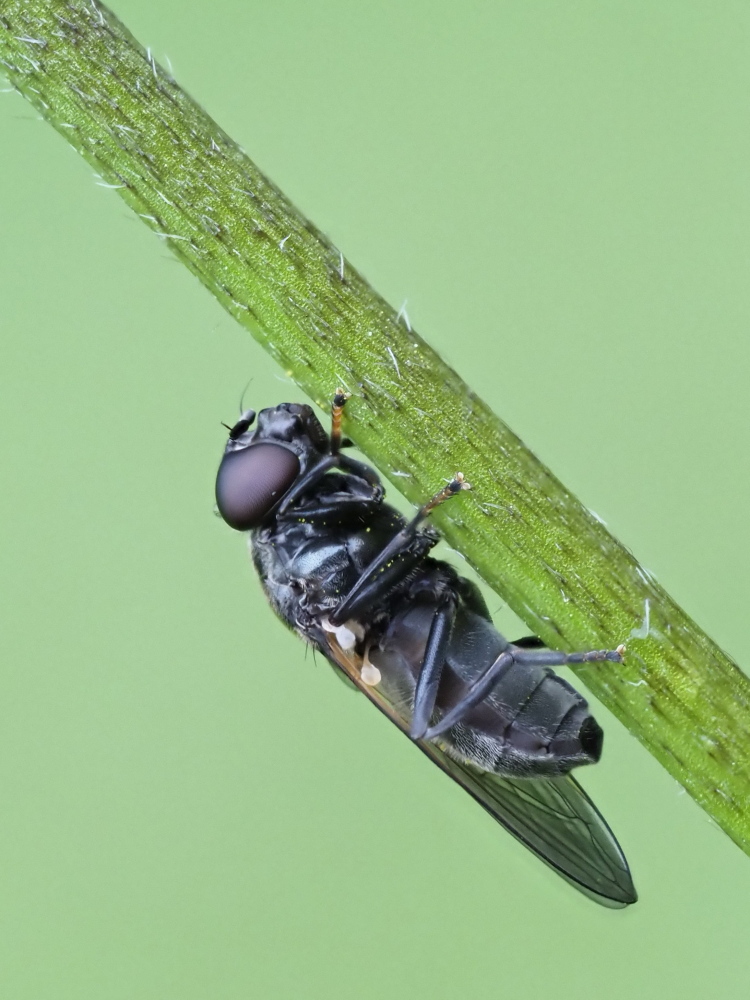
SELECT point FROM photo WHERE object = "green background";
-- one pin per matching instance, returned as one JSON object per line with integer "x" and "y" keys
{"x": 191, "y": 807}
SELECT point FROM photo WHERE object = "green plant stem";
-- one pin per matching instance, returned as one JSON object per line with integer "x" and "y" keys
{"x": 544, "y": 553}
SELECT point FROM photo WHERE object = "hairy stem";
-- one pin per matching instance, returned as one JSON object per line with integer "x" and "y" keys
{"x": 549, "y": 558}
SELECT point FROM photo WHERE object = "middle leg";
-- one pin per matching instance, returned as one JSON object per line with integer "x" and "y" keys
{"x": 404, "y": 551}
{"x": 431, "y": 670}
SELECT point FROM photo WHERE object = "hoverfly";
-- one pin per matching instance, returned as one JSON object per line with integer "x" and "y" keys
{"x": 354, "y": 578}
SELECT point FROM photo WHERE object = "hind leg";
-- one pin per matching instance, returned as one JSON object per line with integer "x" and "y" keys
{"x": 482, "y": 686}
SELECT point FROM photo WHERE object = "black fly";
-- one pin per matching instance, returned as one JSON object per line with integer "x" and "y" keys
{"x": 352, "y": 577}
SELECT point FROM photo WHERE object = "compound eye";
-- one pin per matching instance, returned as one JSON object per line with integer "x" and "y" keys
{"x": 252, "y": 481}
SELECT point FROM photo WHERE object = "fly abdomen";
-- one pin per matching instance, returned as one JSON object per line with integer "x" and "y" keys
{"x": 530, "y": 723}
{"x": 549, "y": 721}
{"x": 546, "y": 736}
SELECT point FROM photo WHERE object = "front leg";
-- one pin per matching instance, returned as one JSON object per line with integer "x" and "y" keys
{"x": 342, "y": 512}
{"x": 337, "y": 412}
{"x": 333, "y": 460}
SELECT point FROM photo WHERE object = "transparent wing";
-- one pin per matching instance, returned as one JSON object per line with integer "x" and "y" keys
{"x": 556, "y": 820}
{"x": 553, "y": 817}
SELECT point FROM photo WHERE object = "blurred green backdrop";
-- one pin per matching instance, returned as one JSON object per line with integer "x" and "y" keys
{"x": 191, "y": 807}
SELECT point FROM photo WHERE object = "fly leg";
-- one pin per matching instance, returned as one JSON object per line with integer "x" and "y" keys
{"x": 337, "y": 411}
{"x": 523, "y": 654}
{"x": 404, "y": 551}
{"x": 337, "y": 443}
{"x": 431, "y": 669}
{"x": 342, "y": 512}
{"x": 313, "y": 476}
{"x": 554, "y": 658}
{"x": 334, "y": 460}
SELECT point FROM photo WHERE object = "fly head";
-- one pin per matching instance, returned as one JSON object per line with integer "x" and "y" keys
{"x": 259, "y": 466}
